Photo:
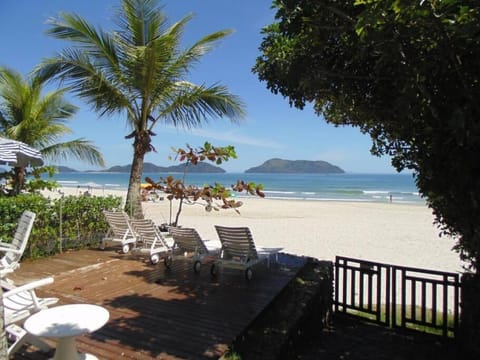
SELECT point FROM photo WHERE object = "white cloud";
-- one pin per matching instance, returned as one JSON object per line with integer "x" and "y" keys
{"x": 233, "y": 137}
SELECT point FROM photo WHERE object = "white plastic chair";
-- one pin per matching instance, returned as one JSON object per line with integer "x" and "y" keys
{"x": 13, "y": 251}
{"x": 19, "y": 303}
{"x": 239, "y": 250}
{"x": 120, "y": 231}
{"x": 150, "y": 241}
{"x": 188, "y": 243}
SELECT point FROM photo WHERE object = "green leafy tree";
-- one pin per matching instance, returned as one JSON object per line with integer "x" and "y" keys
{"x": 40, "y": 121}
{"x": 404, "y": 72}
{"x": 140, "y": 72}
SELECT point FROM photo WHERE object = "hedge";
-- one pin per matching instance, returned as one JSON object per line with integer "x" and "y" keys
{"x": 69, "y": 222}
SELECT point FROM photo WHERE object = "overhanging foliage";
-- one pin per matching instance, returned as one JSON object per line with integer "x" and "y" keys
{"x": 406, "y": 73}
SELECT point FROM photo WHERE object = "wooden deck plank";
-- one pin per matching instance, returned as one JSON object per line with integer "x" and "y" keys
{"x": 156, "y": 313}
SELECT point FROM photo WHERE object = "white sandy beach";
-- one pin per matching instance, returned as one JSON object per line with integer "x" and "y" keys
{"x": 384, "y": 232}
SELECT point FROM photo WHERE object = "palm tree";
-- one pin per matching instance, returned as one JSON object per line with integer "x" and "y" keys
{"x": 39, "y": 121}
{"x": 140, "y": 72}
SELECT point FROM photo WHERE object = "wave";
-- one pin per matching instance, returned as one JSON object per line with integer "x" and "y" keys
{"x": 354, "y": 187}
{"x": 279, "y": 192}
{"x": 347, "y": 191}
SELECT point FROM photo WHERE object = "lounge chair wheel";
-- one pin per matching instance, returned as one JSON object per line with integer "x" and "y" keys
{"x": 154, "y": 259}
{"x": 196, "y": 266}
{"x": 248, "y": 274}
{"x": 213, "y": 270}
{"x": 168, "y": 262}
{"x": 125, "y": 248}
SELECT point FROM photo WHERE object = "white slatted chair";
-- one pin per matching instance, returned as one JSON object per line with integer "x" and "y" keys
{"x": 150, "y": 241}
{"x": 239, "y": 250}
{"x": 19, "y": 303}
{"x": 120, "y": 231}
{"x": 188, "y": 243}
{"x": 13, "y": 251}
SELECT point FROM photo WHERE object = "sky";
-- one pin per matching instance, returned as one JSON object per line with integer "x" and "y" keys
{"x": 271, "y": 128}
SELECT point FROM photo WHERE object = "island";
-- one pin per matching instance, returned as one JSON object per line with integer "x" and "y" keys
{"x": 280, "y": 166}
{"x": 152, "y": 168}
{"x": 65, "y": 169}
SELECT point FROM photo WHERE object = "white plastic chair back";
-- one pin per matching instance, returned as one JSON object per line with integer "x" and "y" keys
{"x": 13, "y": 252}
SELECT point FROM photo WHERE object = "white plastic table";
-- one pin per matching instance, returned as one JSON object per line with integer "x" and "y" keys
{"x": 269, "y": 251}
{"x": 64, "y": 323}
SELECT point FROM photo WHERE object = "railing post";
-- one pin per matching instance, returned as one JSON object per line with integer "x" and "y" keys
{"x": 336, "y": 281}
{"x": 388, "y": 290}
{"x": 445, "y": 306}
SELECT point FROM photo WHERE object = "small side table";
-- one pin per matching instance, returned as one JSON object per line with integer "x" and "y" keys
{"x": 268, "y": 252}
{"x": 64, "y": 323}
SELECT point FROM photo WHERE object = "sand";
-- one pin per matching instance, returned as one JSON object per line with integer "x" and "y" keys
{"x": 398, "y": 234}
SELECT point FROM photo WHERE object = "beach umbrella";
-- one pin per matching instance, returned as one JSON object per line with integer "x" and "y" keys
{"x": 17, "y": 153}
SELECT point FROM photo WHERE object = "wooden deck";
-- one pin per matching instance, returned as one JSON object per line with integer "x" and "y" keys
{"x": 157, "y": 313}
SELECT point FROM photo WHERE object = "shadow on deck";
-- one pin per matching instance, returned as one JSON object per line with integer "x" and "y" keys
{"x": 156, "y": 312}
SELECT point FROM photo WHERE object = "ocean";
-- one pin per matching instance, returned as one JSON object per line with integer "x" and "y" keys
{"x": 398, "y": 188}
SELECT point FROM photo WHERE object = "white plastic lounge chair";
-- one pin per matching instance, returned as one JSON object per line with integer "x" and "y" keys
{"x": 120, "y": 231}
{"x": 239, "y": 250}
{"x": 19, "y": 303}
{"x": 188, "y": 243}
{"x": 150, "y": 241}
{"x": 13, "y": 251}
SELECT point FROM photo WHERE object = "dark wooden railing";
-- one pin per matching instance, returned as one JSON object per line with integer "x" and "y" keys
{"x": 426, "y": 298}
{"x": 398, "y": 296}
{"x": 363, "y": 286}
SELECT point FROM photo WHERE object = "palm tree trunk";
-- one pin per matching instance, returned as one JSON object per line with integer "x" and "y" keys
{"x": 18, "y": 180}
{"x": 133, "y": 204}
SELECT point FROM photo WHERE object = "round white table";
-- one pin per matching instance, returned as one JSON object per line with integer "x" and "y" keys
{"x": 64, "y": 323}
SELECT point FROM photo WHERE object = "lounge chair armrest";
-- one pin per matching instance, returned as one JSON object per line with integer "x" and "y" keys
{"x": 29, "y": 286}
{"x": 4, "y": 272}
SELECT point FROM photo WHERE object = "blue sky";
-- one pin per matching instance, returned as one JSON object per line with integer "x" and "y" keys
{"x": 271, "y": 128}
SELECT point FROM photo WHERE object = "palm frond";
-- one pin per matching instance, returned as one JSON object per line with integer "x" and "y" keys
{"x": 142, "y": 21}
{"x": 40, "y": 121}
{"x": 80, "y": 149}
{"x": 100, "y": 89}
{"x": 203, "y": 46}
{"x": 190, "y": 105}
{"x": 54, "y": 107}
{"x": 97, "y": 43}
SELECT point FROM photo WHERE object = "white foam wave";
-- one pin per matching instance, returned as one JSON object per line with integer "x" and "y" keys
{"x": 91, "y": 184}
{"x": 278, "y": 192}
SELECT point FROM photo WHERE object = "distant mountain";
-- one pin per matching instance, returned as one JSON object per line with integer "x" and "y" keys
{"x": 65, "y": 169}
{"x": 280, "y": 166}
{"x": 149, "y": 167}
{"x": 199, "y": 168}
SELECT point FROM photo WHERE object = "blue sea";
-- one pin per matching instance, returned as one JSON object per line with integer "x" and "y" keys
{"x": 310, "y": 187}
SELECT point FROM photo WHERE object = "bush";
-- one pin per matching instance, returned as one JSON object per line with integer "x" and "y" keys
{"x": 61, "y": 224}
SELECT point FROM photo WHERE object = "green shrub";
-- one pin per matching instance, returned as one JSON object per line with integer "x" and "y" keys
{"x": 61, "y": 224}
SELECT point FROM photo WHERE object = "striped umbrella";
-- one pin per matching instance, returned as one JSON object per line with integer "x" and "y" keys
{"x": 16, "y": 153}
